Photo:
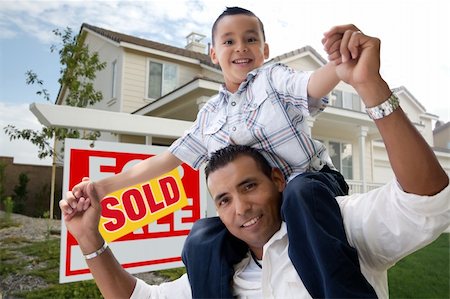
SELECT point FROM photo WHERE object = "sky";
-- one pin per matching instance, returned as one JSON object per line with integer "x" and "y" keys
{"x": 414, "y": 34}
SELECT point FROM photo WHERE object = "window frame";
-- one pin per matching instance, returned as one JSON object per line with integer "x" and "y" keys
{"x": 114, "y": 79}
{"x": 163, "y": 90}
{"x": 349, "y": 170}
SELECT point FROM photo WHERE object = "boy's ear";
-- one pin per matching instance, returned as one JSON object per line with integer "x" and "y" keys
{"x": 212, "y": 54}
{"x": 266, "y": 51}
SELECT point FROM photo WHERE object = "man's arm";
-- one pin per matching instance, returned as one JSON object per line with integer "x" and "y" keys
{"x": 322, "y": 81}
{"x": 413, "y": 162}
{"x": 112, "y": 280}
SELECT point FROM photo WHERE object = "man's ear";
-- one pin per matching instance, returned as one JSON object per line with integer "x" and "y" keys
{"x": 278, "y": 179}
{"x": 266, "y": 51}
{"x": 212, "y": 54}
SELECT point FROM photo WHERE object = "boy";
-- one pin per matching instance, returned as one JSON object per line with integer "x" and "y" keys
{"x": 264, "y": 107}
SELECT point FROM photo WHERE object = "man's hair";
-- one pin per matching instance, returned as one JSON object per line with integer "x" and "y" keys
{"x": 228, "y": 154}
{"x": 231, "y": 11}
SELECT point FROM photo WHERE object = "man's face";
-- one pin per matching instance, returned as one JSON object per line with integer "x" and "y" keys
{"x": 239, "y": 48}
{"x": 248, "y": 201}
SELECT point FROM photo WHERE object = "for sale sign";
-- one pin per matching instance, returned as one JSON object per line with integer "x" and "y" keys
{"x": 145, "y": 224}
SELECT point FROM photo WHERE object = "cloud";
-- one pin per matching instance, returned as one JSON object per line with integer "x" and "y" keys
{"x": 23, "y": 151}
{"x": 414, "y": 44}
{"x": 148, "y": 19}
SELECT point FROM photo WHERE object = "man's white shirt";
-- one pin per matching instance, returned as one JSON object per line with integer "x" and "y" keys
{"x": 384, "y": 225}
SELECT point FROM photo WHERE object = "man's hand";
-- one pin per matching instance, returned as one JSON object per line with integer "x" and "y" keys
{"x": 357, "y": 59}
{"x": 81, "y": 209}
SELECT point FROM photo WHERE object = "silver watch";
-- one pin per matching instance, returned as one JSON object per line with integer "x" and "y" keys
{"x": 385, "y": 108}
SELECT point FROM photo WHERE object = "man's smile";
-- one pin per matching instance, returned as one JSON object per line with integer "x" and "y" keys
{"x": 251, "y": 221}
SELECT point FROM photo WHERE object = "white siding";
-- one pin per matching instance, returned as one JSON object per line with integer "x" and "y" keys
{"x": 108, "y": 53}
{"x": 134, "y": 80}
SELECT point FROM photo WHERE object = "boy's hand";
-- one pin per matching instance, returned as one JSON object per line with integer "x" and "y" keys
{"x": 334, "y": 46}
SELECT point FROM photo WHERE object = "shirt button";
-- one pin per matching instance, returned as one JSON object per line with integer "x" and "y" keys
{"x": 234, "y": 128}
{"x": 233, "y": 103}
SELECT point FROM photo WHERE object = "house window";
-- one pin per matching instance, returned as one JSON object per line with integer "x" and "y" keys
{"x": 342, "y": 156}
{"x": 114, "y": 78}
{"x": 353, "y": 100}
{"x": 162, "y": 79}
{"x": 346, "y": 100}
{"x": 337, "y": 95}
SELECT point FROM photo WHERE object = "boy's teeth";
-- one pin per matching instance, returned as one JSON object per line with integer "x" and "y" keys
{"x": 241, "y": 61}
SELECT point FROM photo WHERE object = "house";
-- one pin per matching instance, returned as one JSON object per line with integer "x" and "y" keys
{"x": 148, "y": 78}
{"x": 441, "y": 136}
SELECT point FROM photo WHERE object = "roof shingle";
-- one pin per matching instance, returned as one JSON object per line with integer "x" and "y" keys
{"x": 120, "y": 37}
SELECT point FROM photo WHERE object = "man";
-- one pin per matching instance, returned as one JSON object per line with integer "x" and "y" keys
{"x": 383, "y": 225}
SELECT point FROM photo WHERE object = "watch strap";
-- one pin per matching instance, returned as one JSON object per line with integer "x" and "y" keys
{"x": 385, "y": 108}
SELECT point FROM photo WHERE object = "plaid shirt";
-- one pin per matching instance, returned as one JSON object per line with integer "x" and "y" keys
{"x": 268, "y": 112}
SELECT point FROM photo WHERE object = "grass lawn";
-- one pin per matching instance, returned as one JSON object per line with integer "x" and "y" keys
{"x": 423, "y": 274}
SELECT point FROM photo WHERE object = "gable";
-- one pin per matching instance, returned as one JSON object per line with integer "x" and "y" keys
{"x": 305, "y": 58}
{"x": 137, "y": 43}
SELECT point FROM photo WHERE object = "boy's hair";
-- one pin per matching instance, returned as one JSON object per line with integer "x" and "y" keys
{"x": 230, "y": 11}
{"x": 228, "y": 154}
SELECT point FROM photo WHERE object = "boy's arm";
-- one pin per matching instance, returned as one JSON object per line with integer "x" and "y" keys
{"x": 322, "y": 81}
{"x": 145, "y": 170}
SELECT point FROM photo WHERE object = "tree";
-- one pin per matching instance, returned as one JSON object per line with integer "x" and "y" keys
{"x": 2, "y": 181}
{"x": 78, "y": 70}
{"x": 20, "y": 193}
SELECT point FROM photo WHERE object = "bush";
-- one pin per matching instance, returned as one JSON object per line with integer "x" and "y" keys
{"x": 9, "y": 206}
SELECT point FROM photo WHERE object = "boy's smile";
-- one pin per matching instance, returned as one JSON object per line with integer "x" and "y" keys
{"x": 239, "y": 48}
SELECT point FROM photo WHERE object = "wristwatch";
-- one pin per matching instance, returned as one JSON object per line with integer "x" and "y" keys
{"x": 385, "y": 108}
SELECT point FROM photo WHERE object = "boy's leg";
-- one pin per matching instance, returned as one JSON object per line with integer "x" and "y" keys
{"x": 209, "y": 254}
{"x": 318, "y": 246}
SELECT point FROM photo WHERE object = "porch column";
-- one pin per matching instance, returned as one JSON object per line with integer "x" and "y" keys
{"x": 210, "y": 206}
{"x": 148, "y": 140}
{"x": 310, "y": 121}
{"x": 201, "y": 101}
{"x": 362, "y": 156}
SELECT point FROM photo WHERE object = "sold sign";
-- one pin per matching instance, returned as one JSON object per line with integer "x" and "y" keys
{"x": 128, "y": 209}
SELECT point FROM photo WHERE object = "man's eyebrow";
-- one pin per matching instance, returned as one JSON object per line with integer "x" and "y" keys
{"x": 246, "y": 181}
{"x": 240, "y": 184}
{"x": 219, "y": 196}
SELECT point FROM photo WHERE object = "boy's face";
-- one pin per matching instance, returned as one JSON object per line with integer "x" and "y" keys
{"x": 247, "y": 200}
{"x": 239, "y": 48}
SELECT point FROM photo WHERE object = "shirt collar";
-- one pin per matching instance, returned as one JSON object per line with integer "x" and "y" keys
{"x": 224, "y": 93}
{"x": 280, "y": 234}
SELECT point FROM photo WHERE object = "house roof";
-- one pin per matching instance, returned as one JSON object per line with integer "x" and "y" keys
{"x": 404, "y": 89}
{"x": 203, "y": 58}
{"x": 441, "y": 126}
{"x": 299, "y": 51}
{"x": 143, "y": 108}
{"x": 120, "y": 37}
